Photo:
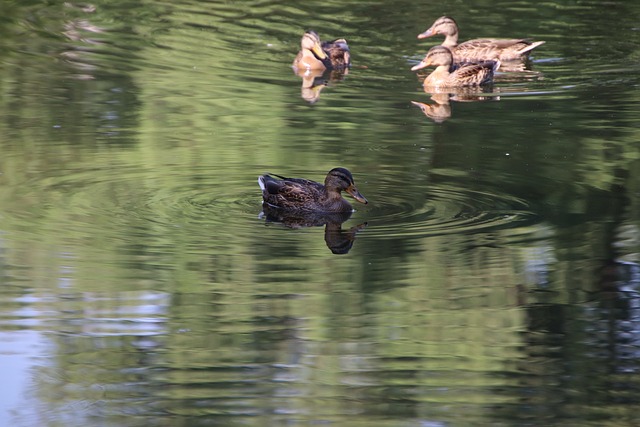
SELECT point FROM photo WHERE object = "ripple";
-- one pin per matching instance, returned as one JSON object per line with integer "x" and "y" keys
{"x": 449, "y": 210}
{"x": 87, "y": 202}
{"x": 92, "y": 201}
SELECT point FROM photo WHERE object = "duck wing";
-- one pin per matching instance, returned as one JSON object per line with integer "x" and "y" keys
{"x": 289, "y": 192}
{"x": 475, "y": 74}
{"x": 492, "y": 49}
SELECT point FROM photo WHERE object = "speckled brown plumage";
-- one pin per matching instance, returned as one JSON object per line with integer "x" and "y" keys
{"x": 306, "y": 195}
{"x": 338, "y": 53}
{"x": 447, "y": 76}
{"x": 316, "y": 55}
{"x": 475, "y": 50}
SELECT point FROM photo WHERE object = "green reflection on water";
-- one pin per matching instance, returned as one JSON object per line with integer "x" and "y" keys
{"x": 130, "y": 241}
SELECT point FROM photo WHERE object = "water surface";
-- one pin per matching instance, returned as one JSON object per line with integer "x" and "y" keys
{"x": 491, "y": 280}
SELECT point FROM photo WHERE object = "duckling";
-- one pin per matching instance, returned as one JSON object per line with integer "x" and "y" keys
{"x": 305, "y": 195}
{"x": 447, "y": 76}
{"x": 479, "y": 49}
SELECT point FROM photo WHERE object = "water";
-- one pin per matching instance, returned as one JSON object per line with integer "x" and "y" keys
{"x": 491, "y": 280}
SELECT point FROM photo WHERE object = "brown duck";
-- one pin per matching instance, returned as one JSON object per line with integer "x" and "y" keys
{"x": 315, "y": 55}
{"x": 447, "y": 76}
{"x": 479, "y": 49}
{"x": 338, "y": 53}
{"x": 300, "y": 194}
{"x": 311, "y": 56}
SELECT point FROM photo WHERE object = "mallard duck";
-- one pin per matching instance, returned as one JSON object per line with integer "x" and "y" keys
{"x": 311, "y": 55}
{"x": 338, "y": 53}
{"x": 305, "y": 195}
{"x": 479, "y": 49}
{"x": 315, "y": 55}
{"x": 447, "y": 76}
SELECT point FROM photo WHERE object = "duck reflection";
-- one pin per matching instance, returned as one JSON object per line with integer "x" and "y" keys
{"x": 314, "y": 81}
{"x": 440, "y": 109}
{"x": 338, "y": 240}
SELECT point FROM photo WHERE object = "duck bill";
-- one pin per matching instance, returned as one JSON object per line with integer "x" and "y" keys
{"x": 426, "y": 34}
{"x": 423, "y": 64}
{"x": 421, "y": 105}
{"x": 317, "y": 50}
{"x": 356, "y": 194}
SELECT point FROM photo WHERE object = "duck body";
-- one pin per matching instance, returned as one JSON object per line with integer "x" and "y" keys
{"x": 487, "y": 49}
{"x": 504, "y": 50}
{"x": 303, "y": 195}
{"x": 446, "y": 75}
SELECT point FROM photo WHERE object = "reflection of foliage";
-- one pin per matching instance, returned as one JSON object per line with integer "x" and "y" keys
{"x": 155, "y": 101}
{"x": 94, "y": 174}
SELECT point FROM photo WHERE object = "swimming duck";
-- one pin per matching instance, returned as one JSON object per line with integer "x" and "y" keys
{"x": 447, "y": 76}
{"x": 338, "y": 53}
{"x": 305, "y": 195}
{"x": 479, "y": 49}
{"x": 315, "y": 55}
{"x": 311, "y": 55}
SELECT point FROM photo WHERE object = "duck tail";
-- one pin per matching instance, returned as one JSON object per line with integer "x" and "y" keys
{"x": 261, "y": 182}
{"x": 529, "y": 48}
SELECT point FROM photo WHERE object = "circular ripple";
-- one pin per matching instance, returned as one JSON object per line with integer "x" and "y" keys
{"x": 134, "y": 202}
{"x": 93, "y": 201}
{"x": 448, "y": 210}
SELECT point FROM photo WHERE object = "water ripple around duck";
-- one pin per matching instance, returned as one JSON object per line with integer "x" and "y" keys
{"x": 448, "y": 210}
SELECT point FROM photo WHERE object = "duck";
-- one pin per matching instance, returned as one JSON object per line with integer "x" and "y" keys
{"x": 299, "y": 194}
{"x": 315, "y": 55}
{"x": 479, "y": 49}
{"x": 446, "y": 75}
{"x": 338, "y": 53}
{"x": 311, "y": 56}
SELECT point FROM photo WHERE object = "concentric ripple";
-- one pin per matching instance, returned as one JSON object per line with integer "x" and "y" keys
{"x": 448, "y": 210}
{"x": 94, "y": 202}
{"x": 124, "y": 202}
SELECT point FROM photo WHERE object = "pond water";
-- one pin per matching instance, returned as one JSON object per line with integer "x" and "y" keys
{"x": 492, "y": 279}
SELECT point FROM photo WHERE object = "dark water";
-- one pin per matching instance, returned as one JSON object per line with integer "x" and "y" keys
{"x": 491, "y": 280}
